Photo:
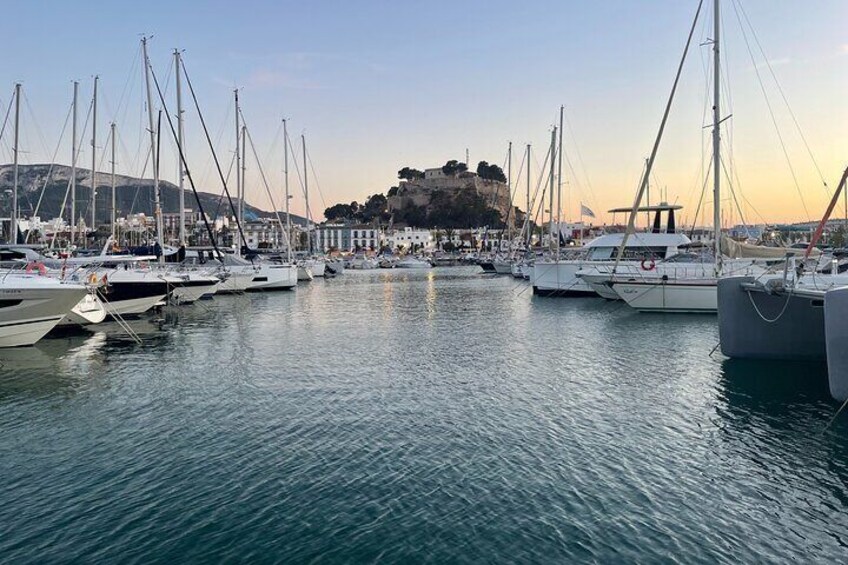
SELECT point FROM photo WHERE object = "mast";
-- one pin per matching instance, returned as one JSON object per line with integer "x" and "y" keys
{"x": 112, "y": 221}
{"x": 286, "y": 177}
{"x": 243, "y": 175}
{"x": 94, "y": 155}
{"x": 153, "y": 152}
{"x": 551, "y": 190}
{"x": 527, "y": 219}
{"x": 239, "y": 197}
{"x": 306, "y": 197}
{"x": 716, "y": 140}
{"x": 559, "y": 184}
{"x": 13, "y": 224}
{"x": 73, "y": 234}
{"x": 180, "y": 133}
{"x": 509, "y": 220}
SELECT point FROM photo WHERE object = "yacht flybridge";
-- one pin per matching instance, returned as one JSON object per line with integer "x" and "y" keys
{"x": 559, "y": 277}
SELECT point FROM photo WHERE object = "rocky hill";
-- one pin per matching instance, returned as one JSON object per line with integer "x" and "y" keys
{"x": 133, "y": 195}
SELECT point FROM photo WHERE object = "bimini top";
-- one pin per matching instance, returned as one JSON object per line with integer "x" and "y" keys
{"x": 661, "y": 207}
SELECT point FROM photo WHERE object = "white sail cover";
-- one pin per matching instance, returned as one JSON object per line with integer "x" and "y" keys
{"x": 739, "y": 250}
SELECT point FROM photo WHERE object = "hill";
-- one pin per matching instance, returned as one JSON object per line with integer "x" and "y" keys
{"x": 133, "y": 195}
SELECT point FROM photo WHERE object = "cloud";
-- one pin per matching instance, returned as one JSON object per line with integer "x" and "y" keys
{"x": 844, "y": 49}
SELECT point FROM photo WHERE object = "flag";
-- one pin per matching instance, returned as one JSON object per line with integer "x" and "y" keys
{"x": 586, "y": 211}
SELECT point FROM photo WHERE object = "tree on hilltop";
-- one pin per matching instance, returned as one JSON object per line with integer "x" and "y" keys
{"x": 410, "y": 174}
{"x": 454, "y": 167}
{"x": 490, "y": 172}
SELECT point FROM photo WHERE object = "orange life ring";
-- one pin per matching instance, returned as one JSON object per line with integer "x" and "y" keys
{"x": 92, "y": 278}
{"x": 648, "y": 264}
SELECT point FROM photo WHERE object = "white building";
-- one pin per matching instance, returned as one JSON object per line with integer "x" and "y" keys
{"x": 342, "y": 237}
{"x": 411, "y": 237}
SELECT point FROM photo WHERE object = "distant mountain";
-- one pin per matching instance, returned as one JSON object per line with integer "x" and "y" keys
{"x": 132, "y": 195}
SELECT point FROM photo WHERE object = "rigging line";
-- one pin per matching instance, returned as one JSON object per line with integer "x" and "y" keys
{"x": 125, "y": 92}
{"x": 783, "y": 95}
{"x": 38, "y": 131}
{"x": 185, "y": 168}
{"x": 315, "y": 176}
{"x": 221, "y": 197}
{"x": 207, "y": 170}
{"x": 265, "y": 182}
{"x": 293, "y": 150}
{"x": 212, "y": 149}
{"x": 6, "y": 119}
{"x": 735, "y": 200}
{"x": 632, "y": 219}
{"x": 771, "y": 113}
{"x": 53, "y": 163}
{"x": 700, "y": 200}
{"x": 580, "y": 160}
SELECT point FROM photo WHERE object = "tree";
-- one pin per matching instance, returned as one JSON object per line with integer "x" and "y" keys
{"x": 392, "y": 191}
{"x": 490, "y": 172}
{"x": 339, "y": 212}
{"x": 410, "y": 174}
{"x": 454, "y": 167}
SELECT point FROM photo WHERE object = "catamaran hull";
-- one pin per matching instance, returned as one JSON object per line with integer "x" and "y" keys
{"x": 697, "y": 297}
{"x": 836, "y": 334}
{"x": 753, "y": 324}
{"x": 559, "y": 279}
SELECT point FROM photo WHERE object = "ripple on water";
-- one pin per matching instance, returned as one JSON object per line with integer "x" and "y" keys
{"x": 440, "y": 416}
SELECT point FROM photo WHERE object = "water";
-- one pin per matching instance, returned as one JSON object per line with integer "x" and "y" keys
{"x": 439, "y": 416}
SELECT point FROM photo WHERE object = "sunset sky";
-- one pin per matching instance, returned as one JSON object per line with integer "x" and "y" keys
{"x": 379, "y": 85}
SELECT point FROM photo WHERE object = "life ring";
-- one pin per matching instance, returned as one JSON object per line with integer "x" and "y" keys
{"x": 92, "y": 278}
{"x": 648, "y": 264}
{"x": 33, "y": 266}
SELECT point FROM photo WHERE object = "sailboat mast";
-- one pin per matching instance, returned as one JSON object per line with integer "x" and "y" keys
{"x": 559, "y": 183}
{"x": 286, "y": 179}
{"x": 243, "y": 175}
{"x": 112, "y": 220}
{"x": 306, "y": 197}
{"x": 509, "y": 219}
{"x": 94, "y": 155}
{"x": 13, "y": 224}
{"x": 73, "y": 234}
{"x": 239, "y": 197}
{"x": 153, "y": 152}
{"x": 180, "y": 133}
{"x": 716, "y": 139}
{"x": 551, "y": 190}
{"x": 527, "y": 220}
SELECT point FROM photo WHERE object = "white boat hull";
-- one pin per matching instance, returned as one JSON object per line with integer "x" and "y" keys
{"x": 699, "y": 296}
{"x": 32, "y": 306}
{"x": 272, "y": 276}
{"x": 559, "y": 279}
{"x": 90, "y": 310}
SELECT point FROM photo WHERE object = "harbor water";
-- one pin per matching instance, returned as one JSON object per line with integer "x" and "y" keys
{"x": 424, "y": 415}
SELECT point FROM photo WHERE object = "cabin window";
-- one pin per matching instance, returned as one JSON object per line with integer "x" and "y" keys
{"x": 9, "y": 303}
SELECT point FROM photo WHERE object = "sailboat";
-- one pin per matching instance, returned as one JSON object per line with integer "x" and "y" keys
{"x": 688, "y": 283}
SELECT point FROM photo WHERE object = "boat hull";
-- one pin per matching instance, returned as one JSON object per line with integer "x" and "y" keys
{"x": 28, "y": 313}
{"x": 695, "y": 297}
{"x": 836, "y": 337}
{"x": 559, "y": 279}
{"x": 757, "y": 325}
{"x": 274, "y": 277}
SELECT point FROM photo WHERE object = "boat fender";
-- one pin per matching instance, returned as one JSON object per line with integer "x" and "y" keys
{"x": 104, "y": 280}
{"x": 648, "y": 264}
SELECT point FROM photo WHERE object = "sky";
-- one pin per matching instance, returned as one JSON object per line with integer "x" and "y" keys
{"x": 378, "y": 85}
